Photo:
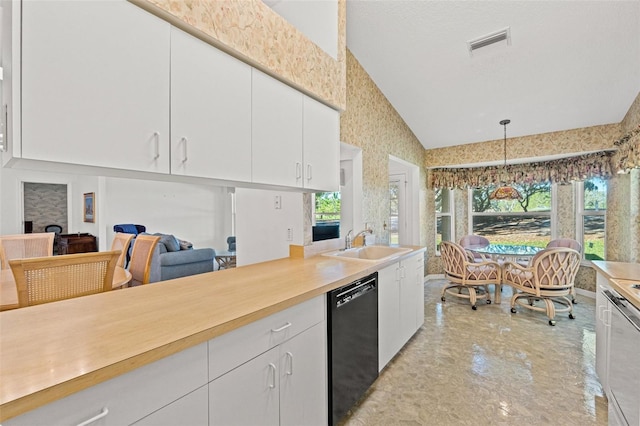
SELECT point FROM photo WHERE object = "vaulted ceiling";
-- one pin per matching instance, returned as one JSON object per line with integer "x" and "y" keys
{"x": 567, "y": 64}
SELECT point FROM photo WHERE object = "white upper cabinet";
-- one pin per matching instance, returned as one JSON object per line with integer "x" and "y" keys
{"x": 321, "y": 149}
{"x": 276, "y": 132}
{"x": 210, "y": 111}
{"x": 95, "y": 85}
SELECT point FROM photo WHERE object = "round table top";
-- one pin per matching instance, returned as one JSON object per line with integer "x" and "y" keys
{"x": 507, "y": 250}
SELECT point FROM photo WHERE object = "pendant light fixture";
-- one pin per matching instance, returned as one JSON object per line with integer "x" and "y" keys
{"x": 505, "y": 192}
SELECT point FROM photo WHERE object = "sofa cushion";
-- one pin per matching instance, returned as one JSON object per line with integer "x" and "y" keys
{"x": 185, "y": 245}
{"x": 169, "y": 241}
{"x": 187, "y": 256}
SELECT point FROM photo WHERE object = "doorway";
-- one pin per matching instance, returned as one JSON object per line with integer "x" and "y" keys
{"x": 404, "y": 202}
{"x": 44, "y": 204}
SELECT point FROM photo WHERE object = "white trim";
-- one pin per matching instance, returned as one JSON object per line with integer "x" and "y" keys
{"x": 430, "y": 277}
{"x": 586, "y": 293}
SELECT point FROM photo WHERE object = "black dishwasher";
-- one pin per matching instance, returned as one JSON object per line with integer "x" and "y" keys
{"x": 352, "y": 313}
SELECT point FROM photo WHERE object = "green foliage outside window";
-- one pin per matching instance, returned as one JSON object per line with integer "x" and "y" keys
{"x": 327, "y": 206}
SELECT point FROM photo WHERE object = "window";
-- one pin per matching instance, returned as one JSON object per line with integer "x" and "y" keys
{"x": 591, "y": 203}
{"x": 514, "y": 222}
{"x": 444, "y": 216}
{"x": 327, "y": 208}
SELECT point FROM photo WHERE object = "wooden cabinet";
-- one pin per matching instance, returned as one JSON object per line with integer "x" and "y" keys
{"x": 210, "y": 111}
{"x": 132, "y": 396}
{"x": 272, "y": 371}
{"x": 400, "y": 305}
{"x": 76, "y": 243}
{"x": 95, "y": 85}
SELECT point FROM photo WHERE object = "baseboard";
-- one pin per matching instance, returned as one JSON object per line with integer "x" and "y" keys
{"x": 586, "y": 293}
{"x": 434, "y": 277}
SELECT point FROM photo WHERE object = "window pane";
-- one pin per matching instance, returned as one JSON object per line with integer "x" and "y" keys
{"x": 443, "y": 202}
{"x": 394, "y": 190}
{"x": 595, "y": 194}
{"x": 536, "y": 198}
{"x": 593, "y": 237}
{"x": 327, "y": 207}
{"x": 534, "y": 230}
{"x": 443, "y": 230}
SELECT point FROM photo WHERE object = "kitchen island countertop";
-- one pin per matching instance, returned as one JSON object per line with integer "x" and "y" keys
{"x": 52, "y": 350}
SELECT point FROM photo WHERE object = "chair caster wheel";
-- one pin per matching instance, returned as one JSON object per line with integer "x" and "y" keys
{"x": 513, "y": 310}
{"x": 442, "y": 298}
{"x": 474, "y": 307}
{"x": 571, "y": 316}
{"x": 574, "y": 301}
{"x": 552, "y": 322}
{"x": 488, "y": 302}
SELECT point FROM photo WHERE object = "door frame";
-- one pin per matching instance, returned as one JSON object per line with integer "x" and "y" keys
{"x": 412, "y": 199}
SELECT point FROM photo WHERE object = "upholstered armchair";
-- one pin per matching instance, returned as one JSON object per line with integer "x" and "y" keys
{"x": 464, "y": 273}
{"x": 548, "y": 278}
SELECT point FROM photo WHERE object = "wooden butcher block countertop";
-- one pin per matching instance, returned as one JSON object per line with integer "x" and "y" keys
{"x": 52, "y": 350}
{"x": 622, "y": 276}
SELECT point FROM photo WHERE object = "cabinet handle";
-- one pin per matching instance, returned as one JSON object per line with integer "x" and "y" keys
{"x": 102, "y": 414}
{"x": 272, "y": 367}
{"x": 309, "y": 168}
{"x": 184, "y": 149}
{"x": 600, "y": 311}
{"x": 284, "y": 327}
{"x": 606, "y": 318}
{"x": 156, "y": 136}
{"x": 298, "y": 171}
{"x": 5, "y": 134}
{"x": 290, "y": 356}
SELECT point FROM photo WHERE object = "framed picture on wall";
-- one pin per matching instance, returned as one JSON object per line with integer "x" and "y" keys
{"x": 89, "y": 207}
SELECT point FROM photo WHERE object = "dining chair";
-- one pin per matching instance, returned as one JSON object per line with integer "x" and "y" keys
{"x": 140, "y": 263}
{"x": 549, "y": 278}
{"x": 469, "y": 242}
{"x": 572, "y": 244}
{"x": 48, "y": 279}
{"x": 22, "y": 246}
{"x": 464, "y": 273}
{"x": 121, "y": 241}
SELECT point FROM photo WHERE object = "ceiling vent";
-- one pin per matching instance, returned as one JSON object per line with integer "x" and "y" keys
{"x": 489, "y": 39}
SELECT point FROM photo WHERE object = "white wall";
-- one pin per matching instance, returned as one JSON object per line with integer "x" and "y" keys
{"x": 197, "y": 213}
{"x": 261, "y": 229}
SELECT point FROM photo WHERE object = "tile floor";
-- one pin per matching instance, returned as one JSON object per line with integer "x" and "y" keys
{"x": 489, "y": 367}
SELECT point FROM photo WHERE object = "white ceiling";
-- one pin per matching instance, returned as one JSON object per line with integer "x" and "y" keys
{"x": 570, "y": 64}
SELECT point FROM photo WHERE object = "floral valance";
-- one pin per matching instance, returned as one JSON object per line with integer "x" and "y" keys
{"x": 561, "y": 171}
{"x": 628, "y": 155}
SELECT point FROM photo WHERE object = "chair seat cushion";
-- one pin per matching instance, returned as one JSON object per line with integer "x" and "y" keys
{"x": 518, "y": 277}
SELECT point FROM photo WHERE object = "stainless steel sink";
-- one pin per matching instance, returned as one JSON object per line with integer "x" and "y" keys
{"x": 370, "y": 253}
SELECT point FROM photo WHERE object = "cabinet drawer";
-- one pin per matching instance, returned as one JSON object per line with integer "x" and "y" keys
{"x": 192, "y": 410}
{"x": 128, "y": 397}
{"x": 239, "y": 346}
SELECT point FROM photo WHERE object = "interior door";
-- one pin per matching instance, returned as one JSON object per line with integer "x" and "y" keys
{"x": 397, "y": 209}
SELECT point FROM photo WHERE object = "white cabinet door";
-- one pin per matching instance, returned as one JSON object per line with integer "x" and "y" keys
{"x": 603, "y": 322}
{"x": 210, "y": 111}
{"x": 95, "y": 84}
{"x": 388, "y": 314}
{"x": 247, "y": 395}
{"x": 191, "y": 410}
{"x": 303, "y": 378}
{"x": 276, "y": 132}
{"x": 321, "y": 149}
{"x": 408, "y": 300}
{"x": 419, "y": 291}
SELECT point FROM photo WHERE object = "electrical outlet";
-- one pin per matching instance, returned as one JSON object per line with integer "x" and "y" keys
{"x": 278, "y": 202}
{"x": 289, "y": 234}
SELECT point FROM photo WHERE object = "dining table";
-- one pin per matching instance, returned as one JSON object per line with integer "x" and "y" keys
{"x": 9, "y": 292}
{"x": 505, "y": 252}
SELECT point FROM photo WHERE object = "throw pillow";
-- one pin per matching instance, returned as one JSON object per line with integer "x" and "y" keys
{"x": 170, "y": 242}
{"x": 185, "y": 245}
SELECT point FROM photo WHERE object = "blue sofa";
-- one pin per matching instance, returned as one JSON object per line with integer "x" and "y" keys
{"x": 173, "y": 258}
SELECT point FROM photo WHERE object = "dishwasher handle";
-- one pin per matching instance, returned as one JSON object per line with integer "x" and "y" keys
{"x": 348, "y": 294}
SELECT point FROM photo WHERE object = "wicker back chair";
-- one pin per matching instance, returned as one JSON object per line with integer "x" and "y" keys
{"x": 470, "y": 242}
{"x": 569, "y": 243}
{"x": 140, "y": 264}
{"x": 22, "y": 246}
{"x": 466, "y": 274}
{"x": 548, "y": 278}
{"x": 47, "y": 279}
{"x": 121, "y": 242}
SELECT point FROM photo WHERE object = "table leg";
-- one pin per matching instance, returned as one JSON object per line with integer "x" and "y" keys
{"x": 497, "y": 296}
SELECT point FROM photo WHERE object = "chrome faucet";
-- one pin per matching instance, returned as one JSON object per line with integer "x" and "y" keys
{"x": 348, "y": 240}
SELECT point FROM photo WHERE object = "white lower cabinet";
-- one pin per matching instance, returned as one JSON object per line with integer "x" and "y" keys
{"x": 190, "y": 410}
{"x": 132, "y": 396}
{"x": 400, "y": 305}
{"x": 603, "y": 327}
{"x": 272, "y": 371}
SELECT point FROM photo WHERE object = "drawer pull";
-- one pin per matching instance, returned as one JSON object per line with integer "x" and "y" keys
{"x": 290, "y": 371}
{"x": 284, "y": 327}
{"x": 102, "y": 414}
{"x": 156, "y": 137}
{"x": 272, "y": 367}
